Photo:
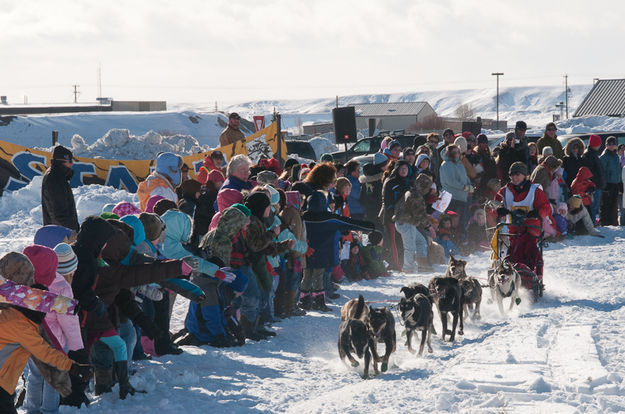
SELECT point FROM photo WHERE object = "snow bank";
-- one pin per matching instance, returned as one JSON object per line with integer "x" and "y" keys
{"x": 591, "y": 124}
{"x": 120, "y": 144}
{"x": 322, "y": 145}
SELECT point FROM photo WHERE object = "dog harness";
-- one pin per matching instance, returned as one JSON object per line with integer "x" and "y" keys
{"x": 506, "y": 295}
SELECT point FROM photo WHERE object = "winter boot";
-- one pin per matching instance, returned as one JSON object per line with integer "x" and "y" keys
{"x": 249, "y": 330}
{"x": 121, "y": 370}
{"x": 424, "y": 265}
{"x": 305, "y": 300}
{"x": 319, "y": 301}
{"x": 290, "y": 308}
{"x": 103, "y": 380}
{"x": 260, "y": 328}
{"x": 164, "y": 346}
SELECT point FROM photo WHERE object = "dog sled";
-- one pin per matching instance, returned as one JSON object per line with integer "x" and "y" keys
{"x": 520, "y": 244}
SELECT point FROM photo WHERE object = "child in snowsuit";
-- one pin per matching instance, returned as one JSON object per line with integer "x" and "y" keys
{"x": 372, "y": 255}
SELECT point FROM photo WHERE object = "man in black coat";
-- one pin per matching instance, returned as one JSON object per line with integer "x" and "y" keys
{"x": 57, "y": 200}
{"x": 590, "y": 159}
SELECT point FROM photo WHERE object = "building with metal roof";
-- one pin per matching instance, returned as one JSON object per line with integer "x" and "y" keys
{"x": 606, "y": 98}
{"x": 391, "y": 116}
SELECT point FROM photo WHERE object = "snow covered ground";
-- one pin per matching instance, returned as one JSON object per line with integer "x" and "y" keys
{"x": 564, "y": 354}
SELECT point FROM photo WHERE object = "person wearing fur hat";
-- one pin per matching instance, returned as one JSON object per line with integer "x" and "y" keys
{"x": 549, "y": 139}
{"x": 19, "y": 332}
{"x": 41, "y": 396}
{"x": 412, "y": 222}
{"x": 572, "y": 160}
{"x": 57, "y": 200}
{"x": 590, "y": 159}
{"x": 578, "y": 218}
{"x": 163, "y": 180}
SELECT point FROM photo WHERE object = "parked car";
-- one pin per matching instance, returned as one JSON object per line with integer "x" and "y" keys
{"x": 302, "y": 149}
{"x": 369, "y": 145}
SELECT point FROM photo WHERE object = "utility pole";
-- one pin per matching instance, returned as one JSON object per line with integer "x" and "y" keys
{"x": 566, "y": 94}
{"x": 337, "y": 101}
{"x": 498, "y": 74}
{"x": 76, "y": 93}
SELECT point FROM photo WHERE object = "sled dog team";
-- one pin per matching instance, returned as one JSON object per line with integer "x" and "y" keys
{"x": 455, "y": 294}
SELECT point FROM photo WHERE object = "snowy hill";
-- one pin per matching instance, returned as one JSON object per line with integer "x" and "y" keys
{"x": 535, "y": 105}
{"x": 563, "y": 354}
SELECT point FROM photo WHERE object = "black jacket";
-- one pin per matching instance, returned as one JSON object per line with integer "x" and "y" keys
{"x": 57, "y": 200}
{"x": 94, "y": 233}
{"x": 590, "y": 159}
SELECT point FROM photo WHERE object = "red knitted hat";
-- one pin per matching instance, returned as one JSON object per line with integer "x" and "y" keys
{"x": 594, "y": 141}
{"x": 45, "y": 262}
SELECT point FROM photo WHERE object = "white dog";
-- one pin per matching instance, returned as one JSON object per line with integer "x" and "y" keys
{"x": 504, "y": 282}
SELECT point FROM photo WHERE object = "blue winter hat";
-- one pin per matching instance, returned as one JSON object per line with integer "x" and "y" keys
{"x": 137, "y": 226}
{"x": 420, "y": 159}
{"x": 51, "y": 235}
{"x": 169, "y": 164}
{"x": 275, "y": 195}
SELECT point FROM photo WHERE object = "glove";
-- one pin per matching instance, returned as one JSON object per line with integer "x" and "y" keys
{"x": 467, "y": 188}
{"x": 100, "y": 309}
{"x": 533, "y": 214}
{"x": 310, "y": 252}
{"x": 81, "y": 371}
{"x": 502, "y": 211}
{"x": 224, "y": 274}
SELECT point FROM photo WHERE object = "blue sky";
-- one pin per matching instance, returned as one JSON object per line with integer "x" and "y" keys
{"x": 227, "y": 51}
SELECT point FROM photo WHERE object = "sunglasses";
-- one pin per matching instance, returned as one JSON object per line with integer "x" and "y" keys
{"x": 552, "y": 129}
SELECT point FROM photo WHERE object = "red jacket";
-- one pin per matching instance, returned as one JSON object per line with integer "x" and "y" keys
{"x": 583, "y": 186}
{"x": 540, "y": 204}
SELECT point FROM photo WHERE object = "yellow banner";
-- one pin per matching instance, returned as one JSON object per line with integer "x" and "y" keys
{"x": 19, "y": 165}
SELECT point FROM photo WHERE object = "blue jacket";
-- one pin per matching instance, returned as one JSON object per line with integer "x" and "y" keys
{"x": 237, "y": 184}
{"x": 324, "y": 233}
{"x": 611, "y": 166}
{"x": 454, "y": 179}
{"x": 177, "y": 232}
{"x": 353, "y": 201}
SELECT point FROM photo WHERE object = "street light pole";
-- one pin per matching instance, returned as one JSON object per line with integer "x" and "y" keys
{"x": 498, "y": 74}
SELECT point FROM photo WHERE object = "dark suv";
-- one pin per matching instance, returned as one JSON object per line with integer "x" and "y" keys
{"x": 302, "y": 148}
{"x": 369, "y": 145}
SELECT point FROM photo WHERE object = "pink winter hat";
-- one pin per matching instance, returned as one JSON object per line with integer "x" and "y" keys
{"x": 228, "y": 197}
{"x": 215, "y": 176}
{"x": 45, "y": 262}
{"x": 149, "y": 206}
{"x": 124, "y": 208}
